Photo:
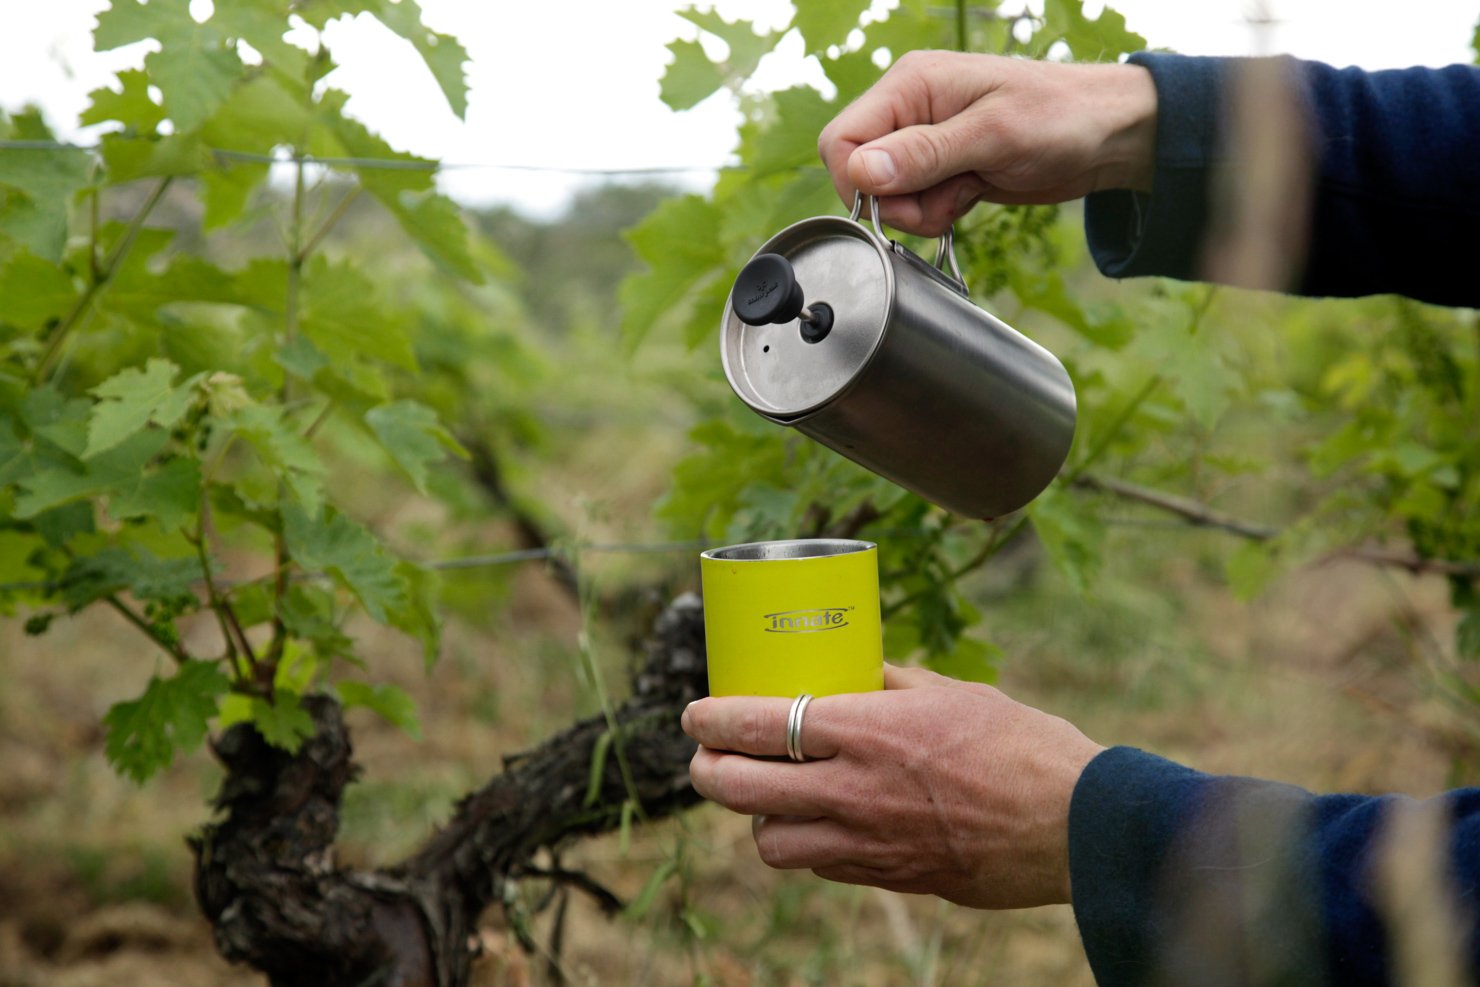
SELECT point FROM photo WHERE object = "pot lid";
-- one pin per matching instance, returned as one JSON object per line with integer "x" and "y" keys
{"x": 784, "y": 369}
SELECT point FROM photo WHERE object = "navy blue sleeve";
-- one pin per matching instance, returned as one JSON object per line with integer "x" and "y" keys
{"x": 1185, "y": 878}
{"x": 1395, "y": 180}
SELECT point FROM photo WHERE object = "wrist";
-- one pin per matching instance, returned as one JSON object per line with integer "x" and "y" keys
{"x": 1128, "y": 152}
{"x": 1076, "y": 761}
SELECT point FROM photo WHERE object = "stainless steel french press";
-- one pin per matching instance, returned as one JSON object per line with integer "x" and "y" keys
{"x": 836, "y": 330}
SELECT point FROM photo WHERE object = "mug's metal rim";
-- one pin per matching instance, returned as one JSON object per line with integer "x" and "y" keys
{"x": 853, "y": 546}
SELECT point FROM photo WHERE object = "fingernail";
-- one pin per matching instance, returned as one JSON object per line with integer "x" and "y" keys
{"x": 683, "y": 720}
{"x": 965, "y": 199}
{"x": 879, "y": 165}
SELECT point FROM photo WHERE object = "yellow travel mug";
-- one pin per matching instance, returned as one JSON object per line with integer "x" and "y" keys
{"x": 786, "y": 617}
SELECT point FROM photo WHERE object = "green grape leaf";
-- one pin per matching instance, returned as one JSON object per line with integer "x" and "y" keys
{"x": 133, "y": 568}
{"x": 297, "y": 669}
{"x": 132, "y": 399}
{"x": 1204, "y": 381}
{"x": 130, "y": 104}
{"x": 58, "y": 526}
{"x": 58, "y": 419}
{"x": 435, "y": 224}
{"x": 302, "y": 359}
{"x": 16, "y": 550}
{"x": 690, "y": 78}
{"x": 969, "y": 660}
{"x": 827, "y": 22}
{"x": 34, "y": 291}
{"x": 14, "y": 456}
{"x": 680, "y": 242}
{"x": 1047, "y": 292}
{"x": 389, "y": 701}
{"x": 56, "y": 483}
{"x": 172, "y": 715}
{"x": 259, "y": 115}
{"x": 282, "y": 449}
{"x": 1070, "y": 533}
{"x": 350, "y": 554}
{"x": 344, "y": 318}
{"x": 195, "y": 67}
{"x": 170, "y": 495}
{"x": 747, "y": 48}
{"x": 791, "y": 141}
{"x": 853, "y": 72}
{"x": 226, "y": 189}
{"x": 338, "y": 135}
{"x": 443, "y": 54}
{"x": 128, "y": 159}
{"x": 409, "y": 194}
{"x": 262, "y": 24}
{"x": 282, "y": 722}
{"x": 308, "y": 612}
{"x": 1103, "y": 39}
{"x": 420, "y": 618}
{"x": 125, "y": 22}
{"x": 410, "y": 432}
{"x": 707, "y": 486}
{"x": 36, "y": 187}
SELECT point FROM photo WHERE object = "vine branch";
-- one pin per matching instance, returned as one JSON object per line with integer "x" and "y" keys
{"x": 103, "y": 276}
{"x": 1201, "y": 515}
{"x": 172, "y": 648}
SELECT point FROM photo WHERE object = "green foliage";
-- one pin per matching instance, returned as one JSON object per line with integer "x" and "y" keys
{"x": 132, "y": 399}
{"x": 172, "y": 715}
{"x": 1100, "y": 40}
{"x": 413, "y": 437}
{"x": 387, "y": 700}
{"x": 37, "y": 187}
{"x": 161, "y": 412}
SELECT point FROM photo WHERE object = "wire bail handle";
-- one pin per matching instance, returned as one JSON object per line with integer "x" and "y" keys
{"x": 945, "y": 253}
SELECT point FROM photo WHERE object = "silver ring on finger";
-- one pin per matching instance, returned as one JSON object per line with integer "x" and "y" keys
{"x": 794, "y": 727}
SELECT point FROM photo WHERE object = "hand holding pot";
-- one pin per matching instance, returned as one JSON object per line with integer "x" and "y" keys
{"x": 932, "y": 786}
{"x": 944, "y": 130}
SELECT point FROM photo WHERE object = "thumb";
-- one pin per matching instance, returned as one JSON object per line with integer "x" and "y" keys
{"x": 911, "y": 159}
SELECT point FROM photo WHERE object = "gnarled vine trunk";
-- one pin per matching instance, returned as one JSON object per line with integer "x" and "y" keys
{"x": 265, "y": 871}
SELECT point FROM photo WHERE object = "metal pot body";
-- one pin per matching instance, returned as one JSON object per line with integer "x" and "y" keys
{"x": 921, "y": 386}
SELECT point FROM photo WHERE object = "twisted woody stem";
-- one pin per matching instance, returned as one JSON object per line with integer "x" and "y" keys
{"x": 265, "y": 871}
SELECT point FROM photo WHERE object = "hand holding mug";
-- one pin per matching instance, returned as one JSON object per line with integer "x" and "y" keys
{"x": 932, "y": 786}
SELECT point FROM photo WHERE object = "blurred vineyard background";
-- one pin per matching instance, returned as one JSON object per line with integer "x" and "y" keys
{"x": 604, "y": 448}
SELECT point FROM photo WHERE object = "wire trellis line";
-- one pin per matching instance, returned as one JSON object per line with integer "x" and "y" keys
{"x": 556, "y": 551}
{"x": 446, "y": 565}
{"x": 402, "y": 164}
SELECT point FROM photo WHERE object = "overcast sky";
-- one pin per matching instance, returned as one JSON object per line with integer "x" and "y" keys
{"x": 575, "y": 84}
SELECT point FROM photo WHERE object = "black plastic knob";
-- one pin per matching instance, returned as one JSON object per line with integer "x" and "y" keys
{"x": 767, "y": 291}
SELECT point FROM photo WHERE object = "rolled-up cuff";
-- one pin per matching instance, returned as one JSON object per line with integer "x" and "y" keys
{"x": 1132, "y": 234}
{"x": 1124, "y": 817}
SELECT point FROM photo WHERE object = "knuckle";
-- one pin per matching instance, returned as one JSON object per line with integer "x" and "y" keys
{"x": 734, "y": 789}
{"x": 753, "y": 732}
{"x": 916, "y": 61}
{"x": 932, "y": 151}
{"x": 768, "y": 846}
